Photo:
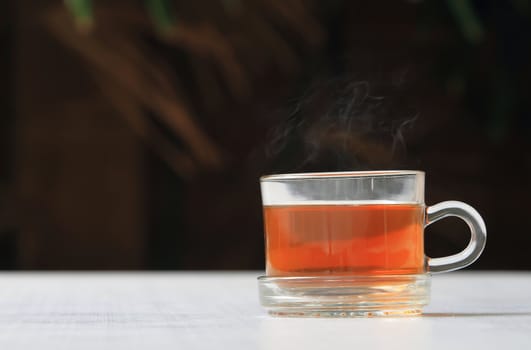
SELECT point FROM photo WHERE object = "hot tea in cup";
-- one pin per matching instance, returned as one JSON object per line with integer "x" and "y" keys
{"x": 352, "y": 243}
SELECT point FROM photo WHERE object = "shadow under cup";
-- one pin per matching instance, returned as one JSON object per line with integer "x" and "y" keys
{"x": 352, "y": 243}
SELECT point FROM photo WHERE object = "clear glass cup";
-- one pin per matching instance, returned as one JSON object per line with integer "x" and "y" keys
{"x": 352, "y": 243}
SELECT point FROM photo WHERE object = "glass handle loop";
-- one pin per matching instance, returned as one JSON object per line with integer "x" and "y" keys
{"x": 478, "y": 235}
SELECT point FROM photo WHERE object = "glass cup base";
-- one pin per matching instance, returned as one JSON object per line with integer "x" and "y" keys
{"x": 345, "y": 296}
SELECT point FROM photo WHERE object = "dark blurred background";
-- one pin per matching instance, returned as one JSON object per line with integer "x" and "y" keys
{"x": 133, "y": 133}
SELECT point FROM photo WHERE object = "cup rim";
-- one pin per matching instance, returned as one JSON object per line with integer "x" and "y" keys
{"x": 340, "y": 174}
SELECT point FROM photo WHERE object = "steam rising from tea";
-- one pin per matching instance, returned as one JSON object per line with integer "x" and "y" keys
{"x": 343, "y": 125}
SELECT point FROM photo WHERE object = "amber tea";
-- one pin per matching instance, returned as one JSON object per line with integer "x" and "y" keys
{"x": 344, "y": 239}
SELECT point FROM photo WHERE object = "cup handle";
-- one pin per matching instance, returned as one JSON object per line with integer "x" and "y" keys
{"x": 478, "y": 235}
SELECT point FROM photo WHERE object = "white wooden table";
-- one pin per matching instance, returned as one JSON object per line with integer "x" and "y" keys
{"x": 221, "y": 311}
